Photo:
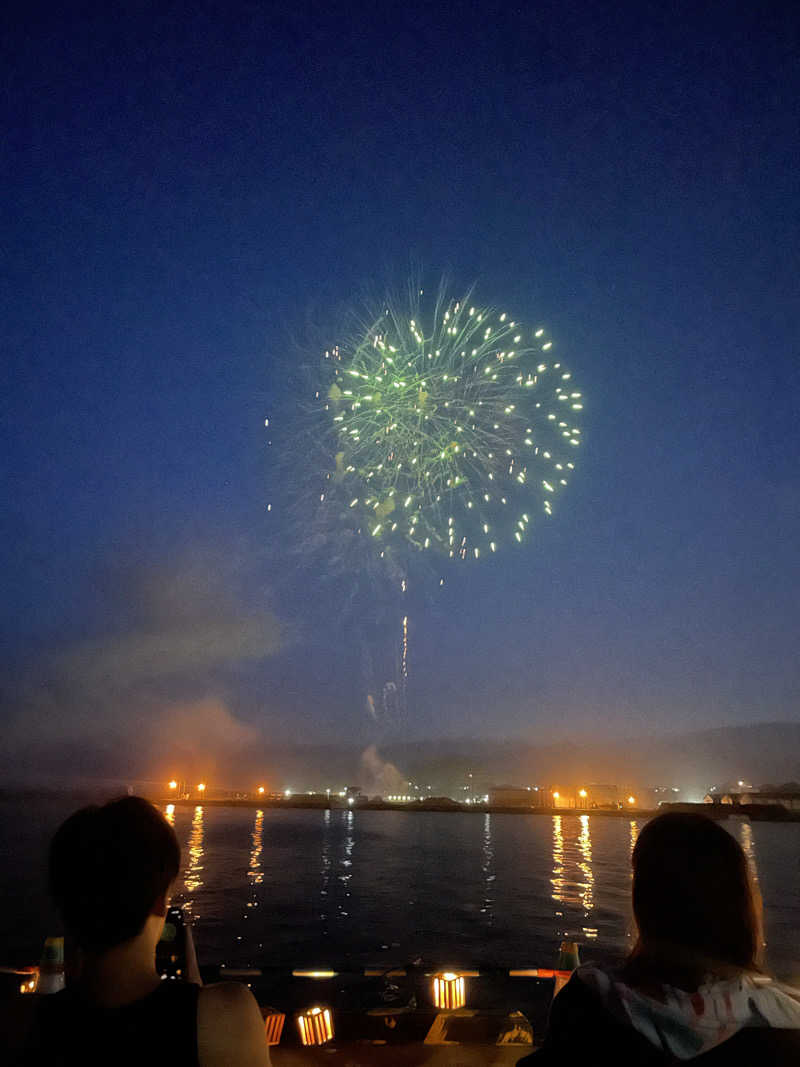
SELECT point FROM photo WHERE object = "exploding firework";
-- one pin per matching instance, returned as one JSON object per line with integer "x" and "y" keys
{"x": 451, "y": 429}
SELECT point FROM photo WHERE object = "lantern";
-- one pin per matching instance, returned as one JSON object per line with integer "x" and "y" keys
{"x": 315, "y": 1026}
{"x": 273, "y": 1026}
{"x": 449, "y": 991}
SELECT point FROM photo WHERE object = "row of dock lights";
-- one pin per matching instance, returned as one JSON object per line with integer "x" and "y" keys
{"x": 403, "y": 799}
{"x": 201, "y": 788}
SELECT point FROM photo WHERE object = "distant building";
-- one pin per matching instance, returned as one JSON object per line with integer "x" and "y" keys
{"x": 602, "y": 795}
{"x": 788, "y": 800}
{"x": 512, "y": 796}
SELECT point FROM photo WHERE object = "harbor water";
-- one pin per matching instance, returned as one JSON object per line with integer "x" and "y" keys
{"x": 290, "y": 888}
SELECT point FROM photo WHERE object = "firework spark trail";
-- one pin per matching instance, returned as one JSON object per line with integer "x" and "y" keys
{"x": 439, "y": 429}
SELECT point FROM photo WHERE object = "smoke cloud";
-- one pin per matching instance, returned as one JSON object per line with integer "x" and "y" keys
{"x": 378, "y": 776}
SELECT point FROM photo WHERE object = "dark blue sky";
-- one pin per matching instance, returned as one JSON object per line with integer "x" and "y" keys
{"x": 189, "y": 189}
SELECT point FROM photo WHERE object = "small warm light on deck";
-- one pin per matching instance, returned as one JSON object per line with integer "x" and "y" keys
{"x": 273, "y": 1025}
{"x": 582, "y": 793}
{"x": 201, "y": 788}
{"x": 449, "y": 990}
{"x": 173, "y": 784}
{"x": 30, "y": 984}
{"x": 631, "y": 800}
{"x": 315, "y": 1026}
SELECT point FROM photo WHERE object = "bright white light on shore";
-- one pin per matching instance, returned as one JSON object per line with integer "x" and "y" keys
{"x": 631, "y": 800}
{"x": 350, "y": 801}
{"x": 201, "y": 788}
{"x": 582, "y": 793}
{"x": 173, "y": 784}
{"x": 556, "y": 795}
{"x": 261, "y": 790}
{"x": 287, "y": 792}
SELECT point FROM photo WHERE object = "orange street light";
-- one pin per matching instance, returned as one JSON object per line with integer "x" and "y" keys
{"x": 261, "y": 790}
{"x": 556, "y": 794}
{"x": 631, "y": 800}
{"x": 201, "y": 787}
{"x": 583, "y": 793}
{"x": 173, "y": 784}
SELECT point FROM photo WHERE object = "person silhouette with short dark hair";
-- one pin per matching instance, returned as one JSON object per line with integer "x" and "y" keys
{"x": 691, "y": 989}
{"x": 111, "y": 872}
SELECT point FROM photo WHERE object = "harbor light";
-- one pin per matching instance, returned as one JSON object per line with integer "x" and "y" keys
{"x": 173, "y": 784}
{"x": 556, "y": 795}
{"x": 631, "y": 800}
{"x": 201, "y": 788}
{"x": 449, "y": 991}
{"x": 583, "y": 794}
{"x": 261, "y": 790}
{"x": 315, "y": 1026}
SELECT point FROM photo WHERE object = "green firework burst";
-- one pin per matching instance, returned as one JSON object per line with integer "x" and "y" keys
{"x": 451, "y": 428}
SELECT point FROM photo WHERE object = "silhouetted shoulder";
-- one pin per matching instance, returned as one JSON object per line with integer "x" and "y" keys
{"x": 230, "y": 1028}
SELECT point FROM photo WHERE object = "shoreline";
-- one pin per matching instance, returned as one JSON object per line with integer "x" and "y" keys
{"x": 713, "y": 811}
{"x": 420, "y": 807}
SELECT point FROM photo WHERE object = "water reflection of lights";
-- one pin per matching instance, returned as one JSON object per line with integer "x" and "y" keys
{"x": 254, "y": 873}
{"x": 192, "y": 880}
{"x": 746, "y": 835}
{"x": 488, "y": 870}
{"x": 634, "y": 836}
{"x": 347, "y": 860}
{"x": 169, "y": 814}
{"x": 558, "y": 860}
{"x": 748, "y": 847}
{"x": 573, "y": 874}
{"x": 326, "y": 866}
{"x": 585, "y": 867}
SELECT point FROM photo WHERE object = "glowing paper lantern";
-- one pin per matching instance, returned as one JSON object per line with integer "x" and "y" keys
{"x": 273, "y": 1026}
{"x": 449, "y": 991}
{"x": 315, "y": 1026}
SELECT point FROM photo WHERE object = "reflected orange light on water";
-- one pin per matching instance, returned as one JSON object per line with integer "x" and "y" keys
{"x": 557, "y": 880}
{"x": 254, "y": 873}
{"x": 169, "y": 814}
{"x": 585, "y": 867}
{"x": 634, "y": 835}
{"x": 193, "y": 881}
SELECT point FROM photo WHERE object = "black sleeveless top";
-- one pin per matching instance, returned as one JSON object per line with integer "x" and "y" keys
{"x": 159, "y": 1028}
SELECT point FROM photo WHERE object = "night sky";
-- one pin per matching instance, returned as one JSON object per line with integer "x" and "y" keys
{"x": 188, "y": 193}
